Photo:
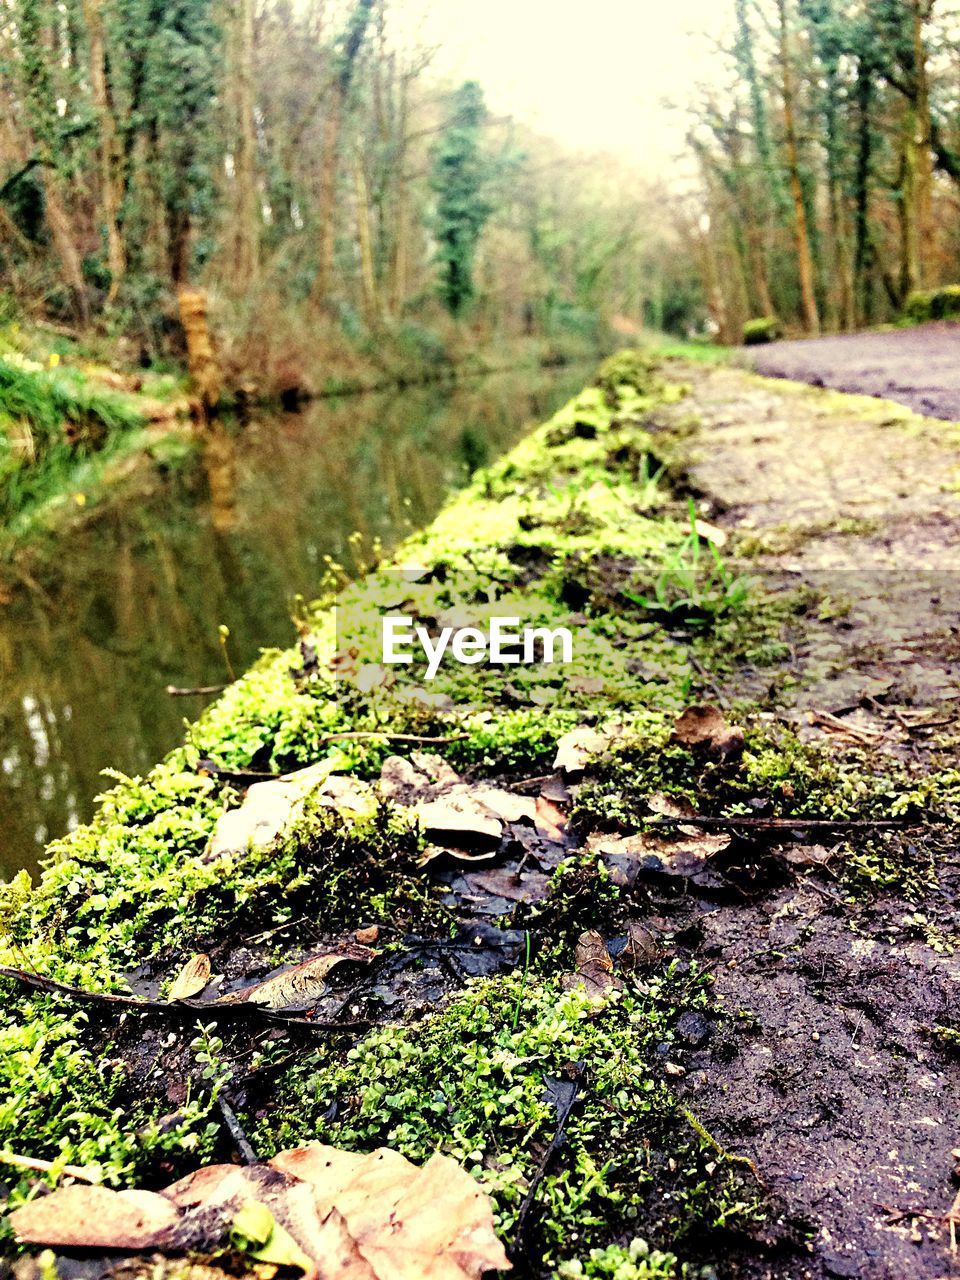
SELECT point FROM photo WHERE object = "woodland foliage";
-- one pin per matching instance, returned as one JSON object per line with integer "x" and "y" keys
{"x": 290, "y": 159}
{"x": 829, "y": 163}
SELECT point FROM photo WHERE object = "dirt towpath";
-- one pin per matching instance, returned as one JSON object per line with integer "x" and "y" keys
{"x": 918, "y": 367}
{"x": 840, "y": 1093}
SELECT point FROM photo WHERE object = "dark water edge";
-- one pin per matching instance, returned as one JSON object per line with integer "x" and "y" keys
{"x": 139, "y": 595}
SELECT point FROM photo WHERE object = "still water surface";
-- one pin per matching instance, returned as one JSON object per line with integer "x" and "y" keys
{"x": 140, "y": 594}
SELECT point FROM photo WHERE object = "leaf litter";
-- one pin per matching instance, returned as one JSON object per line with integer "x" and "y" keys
{"x": 337, "y": 1215}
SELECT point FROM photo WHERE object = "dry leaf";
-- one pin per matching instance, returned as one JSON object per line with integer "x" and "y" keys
{"x": 191, "y": 979}
{"x": 703, "y": 730}
{"x": 577, "y": 748}
{"x": 550, "y": 820}
{"x": 95, "y": 1217}
{"x": 344, "y": 793}
{"x": 643, "y": 948}
{"x": 628, "y": 857}
{"x": 301, "y": 985}
{"x": 670, "y": 806}
{"x": 267, "y": 808}
{"x": 585, "y": 684}
{"x": 407, "y": 1223}
{"x": 711, "y": 533}
{"x": 335, "y": 1214}
{"x": 373, "y": 675}
{"x": 594, "y": 970}
{"x": 459, "y": 818}
{"x": 443, "y": 854}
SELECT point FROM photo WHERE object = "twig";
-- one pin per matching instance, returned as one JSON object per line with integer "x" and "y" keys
{"x": 240, "y": 776}
{"x": 563, "y": 1115}
{"x": 240, "y": 1141}
{"x": 392, "y": 737}
{"x": 174, "y": 1008}
{"x": 859, "y": 733}
{"x": 783, "y": 824}
{"x": 47, "y": 1166}
{"x": 201, "y": 690}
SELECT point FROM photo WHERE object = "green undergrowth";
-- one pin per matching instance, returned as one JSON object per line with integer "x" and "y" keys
{"x": 586, "y": 518}
{"x": 63, "y": 433}
{"x": 470, "y": 1083}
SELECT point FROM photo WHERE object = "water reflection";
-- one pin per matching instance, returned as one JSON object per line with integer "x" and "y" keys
{"x": 140, "y": 595}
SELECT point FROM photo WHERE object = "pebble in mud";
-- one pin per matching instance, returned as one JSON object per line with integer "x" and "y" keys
{"x": 694, "y": 1029}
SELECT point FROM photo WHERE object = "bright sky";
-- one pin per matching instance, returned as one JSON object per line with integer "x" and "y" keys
{"x": 592, "y": 73}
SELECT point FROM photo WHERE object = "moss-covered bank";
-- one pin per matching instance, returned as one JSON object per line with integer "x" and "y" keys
{"x": 589, "y": 514}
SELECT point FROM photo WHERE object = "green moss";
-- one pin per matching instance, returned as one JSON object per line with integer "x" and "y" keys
{"x": 636, "y": 1262}
{"x": 924, "y": 305}
{"x": 66, "y": 1099}
{"x": 762, "y": 330}
{"x": 466, "y": 1082}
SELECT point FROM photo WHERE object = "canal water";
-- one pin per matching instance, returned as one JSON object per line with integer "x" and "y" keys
{"x": 139, "y": 595}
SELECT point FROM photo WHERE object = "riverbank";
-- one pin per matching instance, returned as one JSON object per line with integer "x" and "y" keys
{"x": 532, "y": 921}
{"x": 78, "y": 438}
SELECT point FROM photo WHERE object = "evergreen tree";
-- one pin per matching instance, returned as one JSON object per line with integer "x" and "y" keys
{"x": 460, "y": 177}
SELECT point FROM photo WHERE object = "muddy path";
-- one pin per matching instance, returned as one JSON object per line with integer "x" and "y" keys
{"x": 838, "y": 1091}
{"x": 918, "y": 367}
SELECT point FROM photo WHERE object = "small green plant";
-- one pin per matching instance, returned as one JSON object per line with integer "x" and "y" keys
{"x": 924, "y": 305}
{"x": 693, "y": 588}
{"x": 762, "y": 330}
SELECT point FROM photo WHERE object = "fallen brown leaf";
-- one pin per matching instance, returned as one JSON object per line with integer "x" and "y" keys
{"x": 594, "y": 971}
{"x": 576, "y": 748}
{"x": 95, "y": 1217}
{"x": 407, "y": 1223}
{"x": 643, "y": 948}
{"x": 703, "y": 730}
{"x": 301, "y": 985}
{"x": 191, "y": 979}
{"x": 459, "y": 818}
{"x": 267, "y": 808}
{"x": 338, "y": 1215}
{"x": 525, "y": 886}
{"x": 550, "y": 820}
{"x": 628, "y": 857}
{"x": 711, "y": 533}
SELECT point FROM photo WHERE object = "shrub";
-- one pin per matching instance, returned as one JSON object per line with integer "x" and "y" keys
{"x": 933, "y": 304}
{"x": 761, "y": 330}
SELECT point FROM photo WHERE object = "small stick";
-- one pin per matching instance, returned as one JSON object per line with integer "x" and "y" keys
{"x": 240, "y": 1141}
{"x": 201, "y": 690}
{"x": 391, "y": 737}
{"x": 174, "y": 1008}
{"x": 47, "y": 1166}
{"x": 785, "y": 824}
{"x": 563, "y": 1115}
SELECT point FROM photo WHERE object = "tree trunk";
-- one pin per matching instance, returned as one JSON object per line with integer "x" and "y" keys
{"x": 811, "y": 315}
{"x": 62, "y": 234}
{"x": 910, "y": 254}
{"x": 110, "y": 193}
{"x": 327, "y": 201}
{"x": 345, "y": 62}
{"x": 201, "y": 359}
{"x": 248, "y": 205}
{"x": 923, "y": 181}
{"x": 861, "y": 253}
{"x": 368, "y": 275}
